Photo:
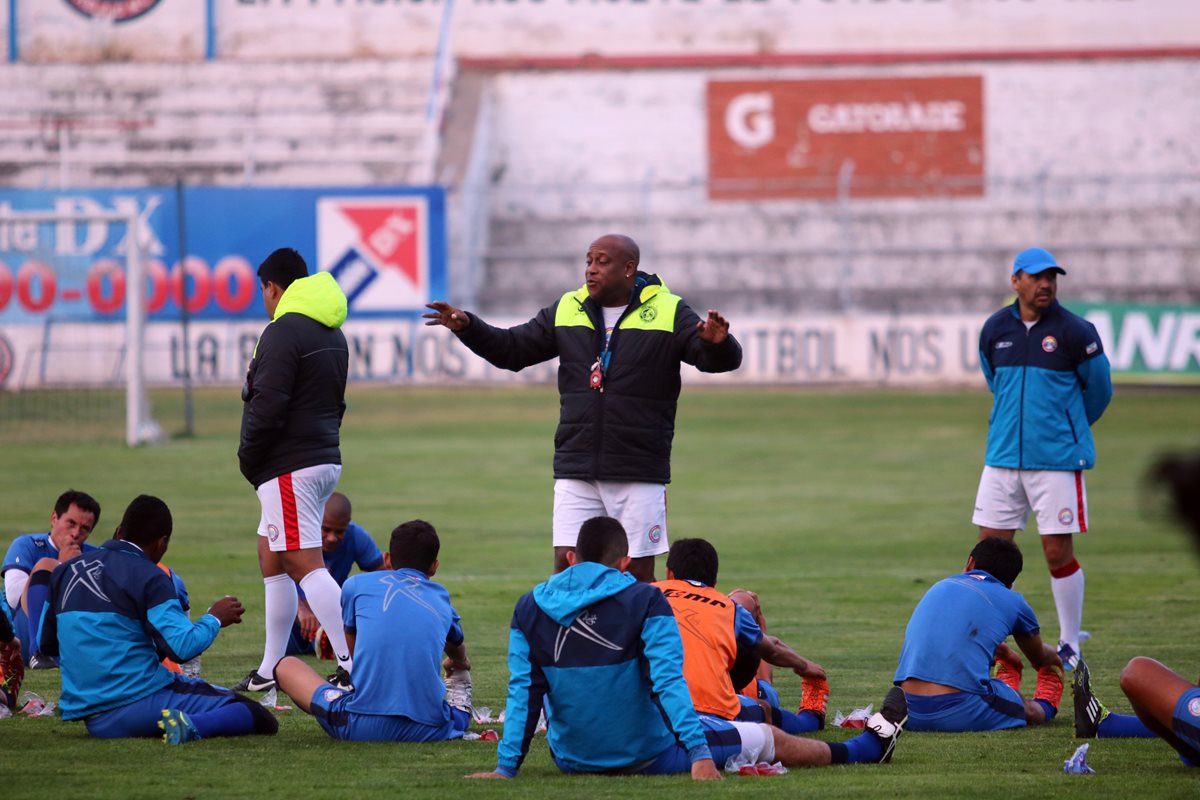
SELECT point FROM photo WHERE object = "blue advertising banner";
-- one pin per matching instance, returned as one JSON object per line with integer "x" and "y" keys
{"x": 386, "y": 246}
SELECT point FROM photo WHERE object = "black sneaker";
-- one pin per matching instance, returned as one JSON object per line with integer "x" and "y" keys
{"x": 888, "y": 721}
{"x": 341, "y": 679}
{"x": 254, "y": 683}
{"x": 1089, "y": 711}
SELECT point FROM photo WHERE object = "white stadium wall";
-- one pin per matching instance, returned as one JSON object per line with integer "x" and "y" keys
{"x": 181, "y": 30}
{"x": 1074, "y": 123}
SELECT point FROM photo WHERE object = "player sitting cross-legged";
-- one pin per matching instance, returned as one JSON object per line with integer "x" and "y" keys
{"x": 718, "y": 632}
{"x": 398, "y": 624}
{"x": 956, "y": 631}
{"x": 600, "y": 652}
{"x": 112, "y": 616}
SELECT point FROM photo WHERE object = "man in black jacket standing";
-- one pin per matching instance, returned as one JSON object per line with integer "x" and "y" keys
{"x": 294, "y": 401}
{"x": 620, "y": 339}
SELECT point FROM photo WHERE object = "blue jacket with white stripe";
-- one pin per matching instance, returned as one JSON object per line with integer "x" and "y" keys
{"x": 602, "y": 653}
{"x": 112, "y": 616}
{"x": 1050, "y": 384}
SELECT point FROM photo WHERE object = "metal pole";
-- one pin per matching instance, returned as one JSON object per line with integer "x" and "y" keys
{"x": 134, "y": 313}
{"x": 844, "y": 179}
{"x": 189, "y": 415}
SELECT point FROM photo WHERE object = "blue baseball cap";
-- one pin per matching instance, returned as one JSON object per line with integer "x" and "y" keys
{"x": 1034, "y": 260}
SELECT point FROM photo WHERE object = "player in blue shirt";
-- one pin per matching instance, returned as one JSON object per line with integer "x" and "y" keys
{"x": 75, "y": 515}
{"x": 399, "y": 624}
{"x": 601, "y": 654}
{"x": 343, "y": 544}
{"x": 952, "y": 638}
{"x": 113, "y": 615}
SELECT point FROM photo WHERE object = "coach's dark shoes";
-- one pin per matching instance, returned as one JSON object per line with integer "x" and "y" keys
{"x": 254, "y": 683}
{"x": 888, "y": 721}
{"x": 1089, "y": 711}
{"x": 341, "y": 679}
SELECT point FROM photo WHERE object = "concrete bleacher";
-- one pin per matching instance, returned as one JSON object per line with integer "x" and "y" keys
{"x": 805, "y": 257}
{"x": 216, "y": 123}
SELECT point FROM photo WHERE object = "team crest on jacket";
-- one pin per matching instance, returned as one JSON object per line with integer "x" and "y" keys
{"x": 1049, "y": 344}
{"x": 648, "y": 314}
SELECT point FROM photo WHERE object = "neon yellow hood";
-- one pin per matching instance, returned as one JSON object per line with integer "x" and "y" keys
{"x": 317, "y": 297}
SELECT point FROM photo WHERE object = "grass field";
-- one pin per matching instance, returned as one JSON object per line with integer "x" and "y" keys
{"x": 839, "y": 508}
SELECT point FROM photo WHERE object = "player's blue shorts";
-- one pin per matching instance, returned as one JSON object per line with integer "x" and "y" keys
{"x": 141, "y": 717}
{"x": 329, "y": 707}
{"x": 1001, "y": 708}
{"x": 1186, "y": 722}
{"x": 722, "y": 736}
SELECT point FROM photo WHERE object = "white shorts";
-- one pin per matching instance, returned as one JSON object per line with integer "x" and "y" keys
{"x": 1057, "y": 497}
{"x": 641, "y": 508}
{"x": 758, "y": 740}
{"x": 293, "y": 506}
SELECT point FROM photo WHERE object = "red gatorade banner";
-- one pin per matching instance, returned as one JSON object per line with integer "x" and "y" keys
{"x": 878, "y": 137}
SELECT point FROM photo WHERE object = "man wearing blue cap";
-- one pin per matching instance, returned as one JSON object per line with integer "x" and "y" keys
{"x": 1050, "y": 382}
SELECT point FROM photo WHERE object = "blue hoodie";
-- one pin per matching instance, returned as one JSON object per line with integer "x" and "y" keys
{"x": 602, "y": 653}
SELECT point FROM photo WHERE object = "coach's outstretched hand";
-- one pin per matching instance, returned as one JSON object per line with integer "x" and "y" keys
{"x": 705, "y": 770}
{"x": 446, "y": 315}
{"x": 714, "y": 329}
{"x": 228, "y": 611}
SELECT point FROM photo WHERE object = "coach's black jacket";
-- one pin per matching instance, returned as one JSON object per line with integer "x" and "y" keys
{"x": 624, "y": 432}
{"x": 296, "y": 385}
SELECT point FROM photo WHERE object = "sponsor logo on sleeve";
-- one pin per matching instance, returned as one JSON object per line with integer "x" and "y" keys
{"x": 1091, "y": 348}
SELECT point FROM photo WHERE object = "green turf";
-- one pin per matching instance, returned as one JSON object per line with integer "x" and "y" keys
{"x": 839, "y": 508}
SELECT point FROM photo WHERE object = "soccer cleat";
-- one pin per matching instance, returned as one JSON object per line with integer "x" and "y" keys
{"x": 1089, "y": 711}
{"x": 323, "y": 647}
{"x": 39, "y": 661}
{"x": 1069, "y": 655}
{"x": 1009, "y": 668}
{"x": 254, "y": 683}
{"x": 1049, "y": 686}
{"x": 888, "y": 721}
{"x": 814, "y": 698}
{"x": 177, "y": 728}
{"x": 458, "y": 689}
{"x": 341, "y": 679}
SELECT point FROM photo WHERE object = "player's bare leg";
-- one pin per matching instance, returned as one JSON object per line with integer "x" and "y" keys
{"x": 1153, "y": 690}
{"x": 298, "y": 681}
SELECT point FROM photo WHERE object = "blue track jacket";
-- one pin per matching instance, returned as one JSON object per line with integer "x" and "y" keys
{"x": 1050, "y": 384}
{"x": 113, "y": 615}
{"x": 603, "y": 653}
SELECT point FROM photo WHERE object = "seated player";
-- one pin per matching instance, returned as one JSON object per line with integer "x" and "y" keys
{"x": 952, "y": 637}
{"x": 600, "y": 652}
{"x": 12, "y": 667}
{"x": 343, "y": 544}
{"x": 112, "y": 616}
{"x": 714, "y": 628}
{"x": 75, "y": 515}
{"x": 1165, "y": 703}
{"x": 398, "y": 625}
